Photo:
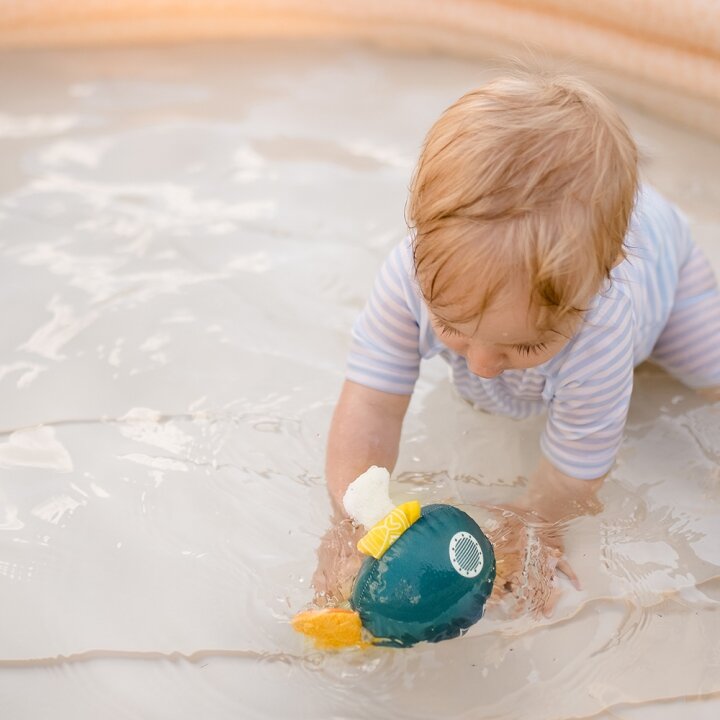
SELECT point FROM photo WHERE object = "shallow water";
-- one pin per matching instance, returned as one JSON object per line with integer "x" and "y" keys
{"x": 186, "y": 236}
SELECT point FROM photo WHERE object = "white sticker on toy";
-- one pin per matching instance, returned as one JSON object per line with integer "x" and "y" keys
{"x": 466, "y": 554}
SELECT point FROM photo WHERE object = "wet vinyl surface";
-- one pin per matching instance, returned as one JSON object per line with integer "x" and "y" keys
{"x": 186, "y": 235}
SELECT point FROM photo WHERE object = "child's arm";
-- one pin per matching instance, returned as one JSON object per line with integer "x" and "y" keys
{"x": 551, "y": 498}
{"x": 382, "y": 367}
{"x": 556, "y": 497}
{"x": 589, "y": 401}
{"x": 365, "y": 431}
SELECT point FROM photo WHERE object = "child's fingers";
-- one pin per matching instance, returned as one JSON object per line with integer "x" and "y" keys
{"x": 552, "y": 602}
{"x": 564, "y": 567}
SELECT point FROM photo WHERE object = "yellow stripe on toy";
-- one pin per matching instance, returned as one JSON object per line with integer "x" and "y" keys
{"x": 383, "y": 534}
{"x": 331, "y": 628}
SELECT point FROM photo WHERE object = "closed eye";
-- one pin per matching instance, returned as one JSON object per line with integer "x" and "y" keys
{"x": 447, "y": 330}
{"x": 530, "y": 349}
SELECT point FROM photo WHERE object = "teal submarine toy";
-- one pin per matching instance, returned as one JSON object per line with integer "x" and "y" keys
{"x": 428, "y": 573}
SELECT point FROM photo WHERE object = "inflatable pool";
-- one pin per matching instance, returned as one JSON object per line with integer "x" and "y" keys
{"x": 187, "y": 230}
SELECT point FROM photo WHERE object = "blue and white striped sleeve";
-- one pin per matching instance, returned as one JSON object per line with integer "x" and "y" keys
{"x": 587, "y": 413}
{"x": 384, "y": 354}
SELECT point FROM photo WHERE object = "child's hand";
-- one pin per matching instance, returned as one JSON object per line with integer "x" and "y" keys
{"x": 529, "y": 554}
{"x": 529, "y": 537}
{"x": 339, "y": 562}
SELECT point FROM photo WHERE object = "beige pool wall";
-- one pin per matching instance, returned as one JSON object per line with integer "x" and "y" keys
{"x": 662, "y": 55}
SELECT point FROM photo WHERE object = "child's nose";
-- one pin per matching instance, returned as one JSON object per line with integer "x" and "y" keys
{"x": 485, "y": 361}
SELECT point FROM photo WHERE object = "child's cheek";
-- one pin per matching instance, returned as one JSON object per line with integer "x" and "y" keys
{"x": 457, "y": 344}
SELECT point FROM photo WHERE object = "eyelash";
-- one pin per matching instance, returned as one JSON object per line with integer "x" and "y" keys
{"x": 522, "y": 349}
{"x": 530, "y": 349}
{"x": 447, "y": 330}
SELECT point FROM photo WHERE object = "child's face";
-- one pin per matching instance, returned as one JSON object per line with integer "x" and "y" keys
{"x": 505, "y": 337}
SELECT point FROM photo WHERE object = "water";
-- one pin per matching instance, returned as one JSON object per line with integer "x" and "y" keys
{"x": 186, "y": 235}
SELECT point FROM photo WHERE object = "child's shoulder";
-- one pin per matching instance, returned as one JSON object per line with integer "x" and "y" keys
{"x": 657, "y": 244}
{"x": 400, "y": 264}
{"x": 656, "y": 217}
{"x": 397, "y": 274}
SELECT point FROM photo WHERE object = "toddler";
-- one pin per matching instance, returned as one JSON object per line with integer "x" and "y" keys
{"x": 542, "y": 272}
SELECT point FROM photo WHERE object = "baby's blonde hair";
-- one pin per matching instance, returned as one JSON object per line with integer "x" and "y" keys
{"x": 530, "y": 178}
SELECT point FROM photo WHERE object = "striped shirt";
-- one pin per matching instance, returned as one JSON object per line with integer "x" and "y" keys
{"x": 586, "y": 387}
